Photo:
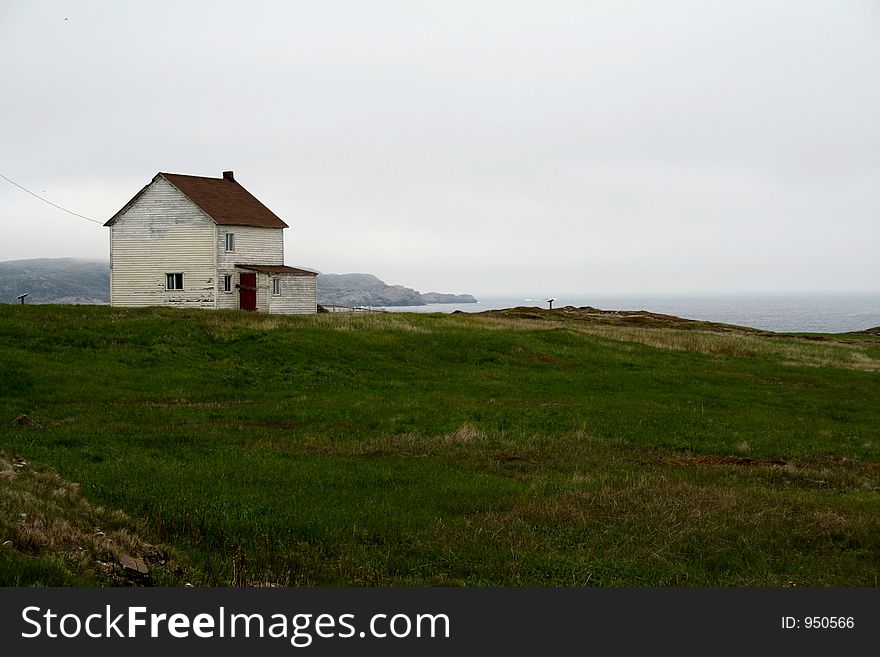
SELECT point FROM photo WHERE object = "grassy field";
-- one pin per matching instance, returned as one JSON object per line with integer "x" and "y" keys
{"x": 520, "y": 448}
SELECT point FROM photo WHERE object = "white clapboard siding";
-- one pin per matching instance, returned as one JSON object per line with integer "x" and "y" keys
{"x": 299, "y": 295}
{"x": 262, "y": 292}
{"x": 163, "y": 232}
{"x": 254, "y": 246}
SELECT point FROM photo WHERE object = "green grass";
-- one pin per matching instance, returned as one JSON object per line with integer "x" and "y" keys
{"x": 528, "y": 448}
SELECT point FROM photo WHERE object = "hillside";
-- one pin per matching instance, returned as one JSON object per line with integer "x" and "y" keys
{"x": 55, "y": 280}
{"x": 72, "y": 280}
{"x": 363, "y": 290}
{"x": 515, "y": 448}
{"x": 367, "y": 290}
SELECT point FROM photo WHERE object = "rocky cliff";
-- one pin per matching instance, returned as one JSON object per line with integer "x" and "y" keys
{"x": 368, "y": 290}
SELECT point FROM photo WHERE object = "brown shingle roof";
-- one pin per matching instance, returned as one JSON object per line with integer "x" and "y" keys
{"x": 278, "y": 269}
{"x": 225, "y": 201}
{"x": 222, "y": 199}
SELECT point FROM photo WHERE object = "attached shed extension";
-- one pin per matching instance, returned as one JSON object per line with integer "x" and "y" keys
{"x": 277, "y": 289}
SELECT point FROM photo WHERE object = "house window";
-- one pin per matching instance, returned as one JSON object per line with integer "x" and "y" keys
{"x": 173, "y": 281}
{"x": 230, "y": 241}
{"x": 276, "y": 287}
{"x": 227, "y": 283}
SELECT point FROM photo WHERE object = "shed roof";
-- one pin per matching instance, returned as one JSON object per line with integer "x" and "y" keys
{"x": 224, "y": 200}
{"x": 278, "y": 269}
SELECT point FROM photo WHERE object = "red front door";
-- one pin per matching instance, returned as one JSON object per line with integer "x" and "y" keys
{"x": 247, "y": 291}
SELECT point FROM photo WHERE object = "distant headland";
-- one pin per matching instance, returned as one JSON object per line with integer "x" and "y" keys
{"x": 368, "y": 290}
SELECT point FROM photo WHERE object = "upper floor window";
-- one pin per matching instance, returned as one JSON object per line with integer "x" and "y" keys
{"x": 230, "y": 241}
{"x": 173, "y": 281}
{"x": 276, "y": 287}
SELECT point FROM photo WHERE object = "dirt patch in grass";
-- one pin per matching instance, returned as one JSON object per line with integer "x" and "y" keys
{"x": 842, "y": 475}
{"x": 715, "y": 459}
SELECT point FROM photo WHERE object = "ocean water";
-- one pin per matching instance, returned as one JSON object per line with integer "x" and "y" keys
{"x": 820, "y": 313}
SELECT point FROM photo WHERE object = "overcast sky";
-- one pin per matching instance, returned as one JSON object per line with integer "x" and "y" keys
{"x": 468, "y": 146}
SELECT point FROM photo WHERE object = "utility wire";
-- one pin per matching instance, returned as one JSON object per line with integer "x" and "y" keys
{"x": 45, "y": 200}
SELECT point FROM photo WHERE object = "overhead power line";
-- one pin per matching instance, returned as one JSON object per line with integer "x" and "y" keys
{"x": 54, "y": 205}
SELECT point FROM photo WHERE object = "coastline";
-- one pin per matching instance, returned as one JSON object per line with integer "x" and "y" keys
{"x": 842, "y": 312}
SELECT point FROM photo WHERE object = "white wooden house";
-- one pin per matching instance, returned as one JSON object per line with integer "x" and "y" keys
{"x": 198, "y": 242}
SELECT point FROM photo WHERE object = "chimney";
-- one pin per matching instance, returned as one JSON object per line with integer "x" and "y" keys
{"x": 227, "y": 175}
